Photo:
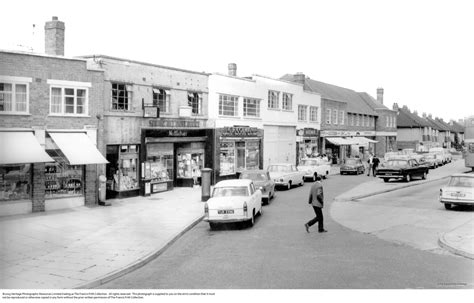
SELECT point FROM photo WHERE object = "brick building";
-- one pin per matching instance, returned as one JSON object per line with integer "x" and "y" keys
{"x": 49, "y": 106}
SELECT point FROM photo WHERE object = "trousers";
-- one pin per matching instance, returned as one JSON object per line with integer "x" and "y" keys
{"x": 319, "y": 218}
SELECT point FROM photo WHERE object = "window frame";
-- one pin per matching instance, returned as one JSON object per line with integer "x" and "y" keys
{"x": 14, "y": 81}
{"x": 328, "y": 116}
{"x": 302, "y": 110}
{"x": 287, "y": 101}
{"x": 334, "y": 116}
{"x": 273, "y": 100}
{"x": 316, "y": 109}
{"x": 341, "y": 117}
{"x": 128, "y": 96}
{"x": 166, "y": 101}
{"x": 69, "y": 85}
{"x": 192, "y": 101}
{"x": 231, "y": 99}
{"x": 245, "y": 107}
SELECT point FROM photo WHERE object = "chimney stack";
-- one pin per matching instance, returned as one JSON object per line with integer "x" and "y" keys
{"x": 431, "y": 116}
{"x": 395, "y": 106}
{"x": 54, "y": 37}
{"x": 299, "y": 78}
{"x": 232, "y": 69}
{"x": 380, "y": 95}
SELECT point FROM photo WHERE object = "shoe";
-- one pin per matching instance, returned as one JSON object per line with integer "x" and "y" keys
{"x": 307, "y": 227}
{"x": 323, "y": 231}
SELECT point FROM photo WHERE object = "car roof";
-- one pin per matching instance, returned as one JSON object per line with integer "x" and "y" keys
{"x": 463, "y": 175}
{"x": 253, "y": 171}
{"x": 233, "y": 182}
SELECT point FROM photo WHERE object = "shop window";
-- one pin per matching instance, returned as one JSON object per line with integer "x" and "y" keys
{"x": 190, "y": 160}
{"x": 62, "y": 179}
{"x": 227, "y": 158}
{"x": 287, "y": 101}
{"x": 161, "y": 98}
{"x": 251, "y": 107}
{"x": 235, "y": 156}
{"x": 195, "y": 102}
{"x": 15, "y": 182}
{"x": 159, "y": 164}
{"x": 13, "y": 98}
{"x": 252, "y": 157}
{"x": 122, "y": 171}
{"x": 273, "y": 99}
{"x": 121, "y": 96}
{"x": 228, "y": 105}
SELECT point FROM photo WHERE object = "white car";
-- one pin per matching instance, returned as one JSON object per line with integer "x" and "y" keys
{"x": 285, "y": 174}
{"x": 446, "y": 157}
{"x": 313, "y": 167}
{"x": 235, "y": 200}
{"x": 459, "y": 191}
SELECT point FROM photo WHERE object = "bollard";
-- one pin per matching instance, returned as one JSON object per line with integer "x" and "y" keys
{"x": 103, "y": 191}
{"x": 205, "y": 184}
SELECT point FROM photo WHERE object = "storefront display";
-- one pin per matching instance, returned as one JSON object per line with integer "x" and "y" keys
{"x": 190, "y": 160}
{"x": 63, "y": 180}
{"x": 15, "y": 182}
{"x": 241, "y": 155}
{"x": 159, "y": 162}
{"x": 122, "y": 172}
{"x": 227, "y": 158}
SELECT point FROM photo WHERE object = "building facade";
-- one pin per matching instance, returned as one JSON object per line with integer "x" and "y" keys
{"x": 49, "y": 106}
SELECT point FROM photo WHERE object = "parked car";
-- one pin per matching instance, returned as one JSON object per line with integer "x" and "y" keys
{"x": 261, "y": 179}
{"x": 285, "y": 174}
{"x": 233, "y": 201}
{"x": 443, "y": 153}
{"x": 401, "y": 169}
{"x": 458, "y": 191}
{"x": 433, "y": 159}
{"x": 352, "y": 166}
{"x": 313, "y": 167}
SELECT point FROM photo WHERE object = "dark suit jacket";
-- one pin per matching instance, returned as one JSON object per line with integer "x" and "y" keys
{"x": 316, "y": 195}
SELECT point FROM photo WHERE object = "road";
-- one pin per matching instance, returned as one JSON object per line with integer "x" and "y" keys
{"x": 277, "y": 253}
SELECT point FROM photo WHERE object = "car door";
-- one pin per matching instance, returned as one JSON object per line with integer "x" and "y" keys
{"x": 294, "y": 174}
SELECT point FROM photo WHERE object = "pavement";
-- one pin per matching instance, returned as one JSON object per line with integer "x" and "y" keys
{"x": 85, "y": 247}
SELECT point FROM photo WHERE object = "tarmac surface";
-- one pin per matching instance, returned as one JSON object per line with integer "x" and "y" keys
{"x": 84, "y": 247}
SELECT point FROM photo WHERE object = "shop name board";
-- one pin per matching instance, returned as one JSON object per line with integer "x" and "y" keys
{"x": 177, "y": 133}
{"x": 239, "y": 132}
{"x": 340, "y": 133}
{"x": 174, "y": 123}
{"x": 308, "y": 132}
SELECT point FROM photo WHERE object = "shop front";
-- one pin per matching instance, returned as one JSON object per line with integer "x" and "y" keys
{"x": 174, "y": 158}
{"x": 122, "y": 170}
{"x": 19, "y": 153}
{"x": 307, "y": 143}
{"x": 237, "y": 149}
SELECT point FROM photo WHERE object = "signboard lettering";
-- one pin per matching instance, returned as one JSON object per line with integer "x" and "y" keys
{"x": 239, "y": 132}
{"x": 174, "y": 123}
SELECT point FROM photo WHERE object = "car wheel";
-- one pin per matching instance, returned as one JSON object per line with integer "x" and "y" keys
{"x": 212, "y": 226}
{"x": 408, "y": 178}
{"x": 289, "y": 185}
{"x": 447, "y": 206}
{"x": 424, "y": 176}
{"x": 302, "y": 182}
{"x": 385, "y": 179}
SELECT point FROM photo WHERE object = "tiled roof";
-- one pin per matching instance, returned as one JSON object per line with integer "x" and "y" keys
{"x": 374, "y": 104}
{"x": 439, "y": 125}
{"x": 456, "y": 127}
{"x": 355, "y": 103}
{"x": 407, "y": 119}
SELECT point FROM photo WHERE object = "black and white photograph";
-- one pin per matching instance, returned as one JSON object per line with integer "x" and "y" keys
{"x": 179, "y": 150}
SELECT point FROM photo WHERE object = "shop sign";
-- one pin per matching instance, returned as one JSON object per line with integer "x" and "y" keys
{"x": 177, "y": 133}
{"x": 239, "y": 132}
{"x": 174, "y": 123}
{"x": 151, "y": 112}
{"x": 342, "y": 133}
{"x": 310, "y": 132}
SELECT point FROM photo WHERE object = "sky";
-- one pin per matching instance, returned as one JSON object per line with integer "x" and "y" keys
{"x": 420, "y": 52}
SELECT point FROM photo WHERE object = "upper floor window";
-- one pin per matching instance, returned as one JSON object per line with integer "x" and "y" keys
{"x": 161, "y": 98}
{"x": 357, "y": 119}
{"x": 341, "y": 117}
{"x": 195, "y": 101}
{"x": 251, "y": 107}
{"x": 328, "y": 116}
{"x": 228, "y": 105}
{"x": 68, "y": 101}
{"x": 121, "y": 96}
{"x": 14, "y": 95}
{"x": 287, "y": 101}
{"x": 273, "y": 97}
{"x": 313, "y": 114}
{"x": 302, "y": 112}
{"x": 334, "y": 116}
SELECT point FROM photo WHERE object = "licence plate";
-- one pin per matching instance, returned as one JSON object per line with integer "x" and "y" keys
{"x": 225, "y": 212}
{"x": 458, "y": 195}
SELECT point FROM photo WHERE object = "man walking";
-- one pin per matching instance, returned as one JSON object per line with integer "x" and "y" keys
{"x": 371, "y": 164}
{"x": 375, "y": 164}
{"x": 316, "y": 199}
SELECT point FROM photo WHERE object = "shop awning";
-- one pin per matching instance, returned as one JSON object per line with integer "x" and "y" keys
{"x": 19, "y": 147}
{"x": 362, "y": 140}
{"x": 339, "y": 141}
{"x": 78, "y": 148}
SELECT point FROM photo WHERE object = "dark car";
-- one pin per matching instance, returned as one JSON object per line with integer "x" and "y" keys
{"x": 261, "y": 179}
{"x": 352, "y": 166}
{"x": 404, "y": 169}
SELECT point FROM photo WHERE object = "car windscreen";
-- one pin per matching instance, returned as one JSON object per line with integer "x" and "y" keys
{"x": 278, "y": 168}
{"x": 230, "y": 191}
{"x": 392, "y": 163}
{"x": 461, "y": 181}
{"x": 351, "y": 162}
{"x": 254, "y": 176}
{"x": 308, "y": 162}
